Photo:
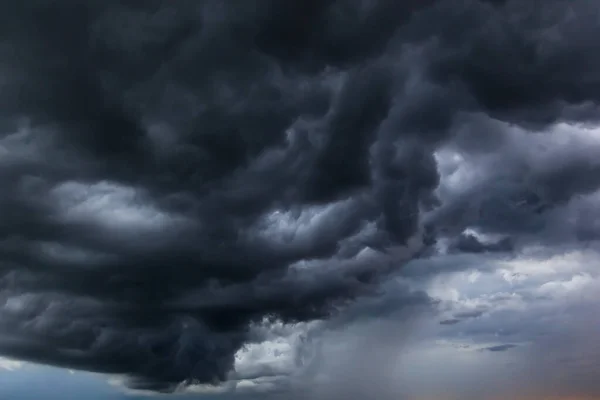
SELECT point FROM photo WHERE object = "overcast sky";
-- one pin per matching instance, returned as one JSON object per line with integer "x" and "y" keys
{"x": 300, "y": 199}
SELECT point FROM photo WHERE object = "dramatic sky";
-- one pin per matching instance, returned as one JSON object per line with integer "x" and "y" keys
{"x": 300, "y": 199}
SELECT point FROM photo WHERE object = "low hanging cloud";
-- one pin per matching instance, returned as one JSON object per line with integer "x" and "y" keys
{"x": 176, "y": 174}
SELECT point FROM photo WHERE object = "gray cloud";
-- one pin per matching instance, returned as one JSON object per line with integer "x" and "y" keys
{"x": 452, "y": 321}
{"x": 468, "y": 243}
{"x": 501, "y": 347}
{"x": 175, "y": 174}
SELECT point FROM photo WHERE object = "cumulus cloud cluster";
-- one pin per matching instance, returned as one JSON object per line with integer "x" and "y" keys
{"x": 180, "y": 177}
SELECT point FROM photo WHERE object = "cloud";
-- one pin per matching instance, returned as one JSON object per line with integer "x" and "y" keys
{"x": 502, "y": 347}
{"x": 10, "y": 365}
{"x": 469, "y": 243}
{"x": 540, "y": 326}
{"x": 451, "y": 321}
{"x": 182, "y": 179}
{"x": 513, "y": 342}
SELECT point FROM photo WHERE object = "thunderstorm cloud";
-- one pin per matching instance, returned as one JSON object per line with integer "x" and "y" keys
{"x": 183, "y": 181}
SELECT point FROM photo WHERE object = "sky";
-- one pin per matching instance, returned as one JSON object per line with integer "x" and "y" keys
{"x": 301, "y": 199}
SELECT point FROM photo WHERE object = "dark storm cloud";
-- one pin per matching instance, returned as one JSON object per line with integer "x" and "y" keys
{"x": 175, "y": 171}
{"x": 469, "y": 243}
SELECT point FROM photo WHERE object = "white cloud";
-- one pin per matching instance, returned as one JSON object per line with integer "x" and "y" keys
{"x": 10, "y": 365}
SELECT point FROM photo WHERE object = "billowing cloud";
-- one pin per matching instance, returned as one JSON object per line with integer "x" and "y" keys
{"x": 181, "y": 178}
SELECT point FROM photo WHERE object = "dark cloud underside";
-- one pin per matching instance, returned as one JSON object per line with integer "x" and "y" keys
{"x": 173, "y": 172}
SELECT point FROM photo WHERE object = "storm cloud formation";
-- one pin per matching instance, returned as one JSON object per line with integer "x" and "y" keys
{"x": 174, "y": 173}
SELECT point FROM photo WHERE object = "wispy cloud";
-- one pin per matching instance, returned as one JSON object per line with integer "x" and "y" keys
{"x": 10, "y": 365}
